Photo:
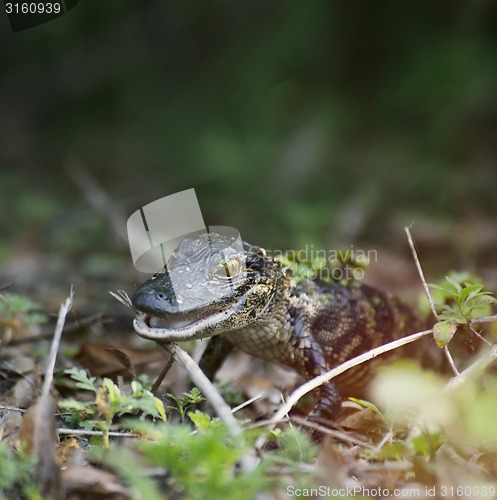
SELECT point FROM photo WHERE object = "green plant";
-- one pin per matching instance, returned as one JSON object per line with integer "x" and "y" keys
{"x": 459, "y": 419}
{"x": 189, "y": 399}
{"x": 458, "y": 300}
{"x": 15, "y": 471}
{"x": 202, "y": 464}
{"x": 205, "y": 464}
{"x": 130, "y": 467}
{"x": 18, "y": 312}
{"x": 108, "y": 403}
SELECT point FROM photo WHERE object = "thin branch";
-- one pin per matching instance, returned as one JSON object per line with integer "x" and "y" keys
{"x": 450, "y": 360}
{"x": 420, "y": 271}
{"x": 478, "y": 366}
{"x": 303, "y": 422}
{"x": 12, "y": 408}
{"x": 246, "y": 403}
{"x": 428, "y": 294}
{"x": 163, "y": 373}
{"x": 64, "y": 309}
{"x": 205, "y": 385}
{"x": 83, "y": 432}
{"x": 484, "y": 319}
{"x": 223, "y": 410}
{"x": 340, "y": 435}
{"x": 326, "y": 377}
{"x": 477, "y": 334}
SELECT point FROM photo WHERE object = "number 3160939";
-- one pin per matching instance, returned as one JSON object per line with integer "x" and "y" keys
{"x": 32, "y": 8}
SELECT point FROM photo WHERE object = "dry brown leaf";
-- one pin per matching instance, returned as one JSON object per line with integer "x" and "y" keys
{"x": 101, "y": 359}
{"x": 38, "y": 433}
{"x": 21, "y": 396}
{"x": 332, "y": 470}
{"x": 88, "y": 482}
{"x": 363, "y": 420}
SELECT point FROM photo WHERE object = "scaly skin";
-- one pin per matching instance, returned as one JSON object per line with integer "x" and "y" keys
{"x": 247, "y": 300}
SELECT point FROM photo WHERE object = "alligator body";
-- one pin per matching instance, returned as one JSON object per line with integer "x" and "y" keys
{"x": 246, "y": 299}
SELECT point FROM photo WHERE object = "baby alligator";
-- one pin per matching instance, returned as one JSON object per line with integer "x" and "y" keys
{"x": 244, "y": 298}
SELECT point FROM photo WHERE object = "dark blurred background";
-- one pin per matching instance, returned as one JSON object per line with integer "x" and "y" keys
{"x": 299, "y": 122}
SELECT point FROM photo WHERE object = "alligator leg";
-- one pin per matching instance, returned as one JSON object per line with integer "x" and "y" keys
{"x": 215, "y": 353}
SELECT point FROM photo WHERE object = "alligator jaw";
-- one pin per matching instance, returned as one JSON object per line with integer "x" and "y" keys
{"x": 177, "y": 330}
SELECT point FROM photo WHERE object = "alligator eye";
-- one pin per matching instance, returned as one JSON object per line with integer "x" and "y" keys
{"x": 227, "y": 269}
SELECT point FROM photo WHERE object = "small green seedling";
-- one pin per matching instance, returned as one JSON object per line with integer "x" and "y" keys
{"x": 18, "y": 312}
{"x": 189, "y": 399}
{"x": 458, "y": 300}
{"x": 109, "y": 402}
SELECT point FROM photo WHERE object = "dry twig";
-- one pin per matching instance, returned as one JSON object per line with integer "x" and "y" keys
{"x": 428, "y": 295}
{"x": 38, "y": 429}
{"x": 326, "y": 377}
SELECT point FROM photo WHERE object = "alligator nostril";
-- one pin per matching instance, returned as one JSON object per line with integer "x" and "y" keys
{"x": 161, "y": 296}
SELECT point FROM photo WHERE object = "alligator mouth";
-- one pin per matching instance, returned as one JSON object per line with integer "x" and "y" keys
{"x": 179, "y": 327}
{"x": 177, "y": 321}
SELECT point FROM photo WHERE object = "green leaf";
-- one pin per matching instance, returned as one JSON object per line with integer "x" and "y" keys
{"x": 193, "y": 397}
{"x": 437, "y": 287}
{"x": 116, "y": 401}
{"x": 159, "y": 405}
{"x": 75, "y": 405}
{"x": 447, "y": 313}
{"x": 366, "y": 404}
{"x": 470, "y": 291}
{"x": 394, "y": 451}
{"x": 202, "y": 421}
{"x": 137, "y": 388}
{"x": 82, "y": 379}
{"x": 443, "y": 331}
{"x": 457, "y": 286}
{"x": 426, "y": 444}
